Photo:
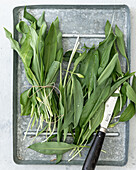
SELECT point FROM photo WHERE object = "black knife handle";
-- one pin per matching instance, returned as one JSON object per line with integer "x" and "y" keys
{"x": 94, "y": 152}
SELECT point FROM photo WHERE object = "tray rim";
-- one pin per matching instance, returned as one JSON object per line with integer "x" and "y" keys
{"x": 15, "y": 61}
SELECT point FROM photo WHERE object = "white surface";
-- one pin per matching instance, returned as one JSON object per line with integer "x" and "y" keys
{"x": 6, "y": 20}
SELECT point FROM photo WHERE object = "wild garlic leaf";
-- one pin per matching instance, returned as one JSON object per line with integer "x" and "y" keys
{"x": 105, "y": 43}
{"x": 25, "y": 102}
{"x": 65, "y": 133}
{"x": 69, "y": 118}
{"x": 61, "y": 114}
{"x": 117, "y": 108}
{"x": 14, "y": 43}
{"x": 106, "y": 56}
{"x": 118, "y": 67}
{"x": 41, "y": 20}
{"x": 32, "y": 76}
{"x": 90, "y": 103}
{"x": 50, "y": 47}
{"x": 79, "y": 59}
{"x": 26, "y": 50}
{"x": 78, "y": 100}
{"x": 59, "y": 158}
{"x": 22, "y": 27}
{"x": 131, "y": 93}
{"x": 108, "y": 70}
{"x": 119, "y": 82}
{"x": 92, "y": 71}
{"x": 59, "y": 56}
{"x": 101, "y": 99}
{"x": 42, "y": 24}
{"x": 40, "y": 51}
{"x": 134, "y": 83}
{"x": 28, "y": 16}
{"x": 35, "y": 61}
{"x": 128, "y": 113}
{"x": 26, "y": 59}
{"x": 108, "y": 28}
{"x": 59, "y": 34}
{"x": 84, "y": 67}
{"x": 121, "y": 43}
{"x": 50, "y": 148}
{"x": 52, "y": 73}
{"x": 96, "y": 120}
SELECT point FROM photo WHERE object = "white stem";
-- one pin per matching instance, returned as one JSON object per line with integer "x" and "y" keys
{"x": 70, "y": 60}
{"x": 27, "y": 128}
{"x": 52, "y": 130}
{"x": 75, "y": 154}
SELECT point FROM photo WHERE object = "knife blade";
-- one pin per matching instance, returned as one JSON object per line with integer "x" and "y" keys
{"x": 94, "y": 152}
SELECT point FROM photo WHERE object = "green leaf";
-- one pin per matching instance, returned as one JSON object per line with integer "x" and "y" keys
{"x": 78, "y": 60}
{"x": 59, "y": 56}
{"x": 61, "y": 113}
{"x": 134, "y": 83}
{"x": 108, "y": 29}
{"x": 118, "y": 67}
{"x": 35, "y": 61}
{"x": 111, "y": 125}
{"x": 41, "y": 20}
{"x": 119, "y": 82}
{"x": 51, "y": 148}
{"x": 117, "y": 107}
{"x": 101, "y": 99}
{"x": 41, "y": 23}
{"x": 90, "y": 103}
{"x": 65, "y": 134}
{"x": 25, "y": 102}
{"x": 50, "y": 47}
{"x": 84, "y": 67}
{"x": 69, "y": 118}
{"x": 52, "y": 73}
{"x": 59, "y": 158}
{"x": 32, "y": 76}
{"x": 95, "y": 121}
{"x": 105, "y": 43}
{"x": 28, "y": 16}
{"x": 108, "y": 70}
{"x": 131, "y": 93}
{"x": 14, "y": 43}
{"x": 78, "y": 100}
{"x": 128, "y": 113}
{"x": 121, "y": 43}
{"x": 26, "y": 51}
{"x": 26, "y": 56}
{"x": 106, "y": 56}
{"x": 22, "y": 27}
{"x": 92, "y": 71}
{"x": 59, "y": 34}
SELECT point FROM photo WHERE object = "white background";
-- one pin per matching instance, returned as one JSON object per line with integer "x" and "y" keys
{"x": 6, "y": 79}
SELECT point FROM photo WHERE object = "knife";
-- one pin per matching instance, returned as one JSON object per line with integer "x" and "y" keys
{"x": 94, "y": 152}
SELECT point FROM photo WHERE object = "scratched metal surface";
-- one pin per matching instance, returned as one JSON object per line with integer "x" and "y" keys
{"x": 83, "y": 20}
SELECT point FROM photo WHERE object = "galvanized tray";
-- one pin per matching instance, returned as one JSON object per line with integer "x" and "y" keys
{"x": 88, "y": 22}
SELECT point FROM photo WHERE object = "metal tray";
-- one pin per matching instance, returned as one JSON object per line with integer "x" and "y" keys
{"x": 88, "y": 22}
